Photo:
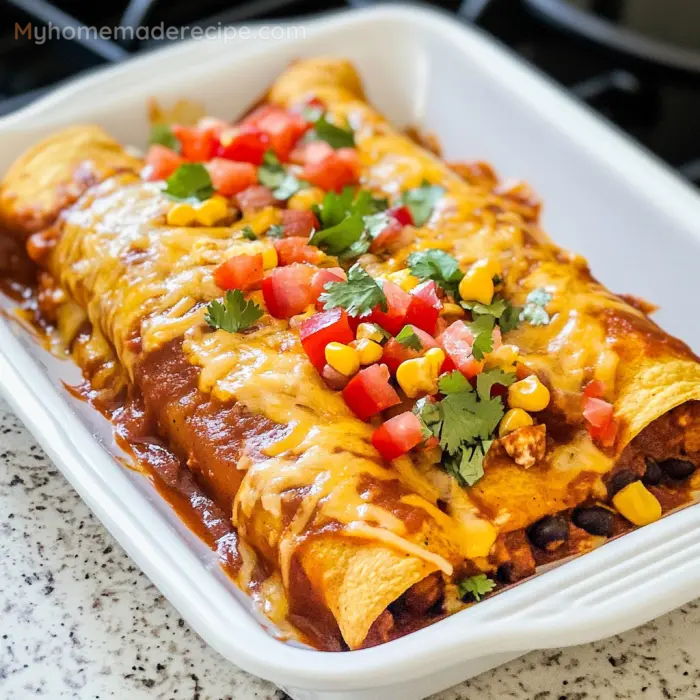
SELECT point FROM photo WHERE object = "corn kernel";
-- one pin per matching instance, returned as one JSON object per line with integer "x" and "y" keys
{"x": 436, "y": 357}
{"x": 420, "y": 375}
{"x": 270, "y": 259}
{"x": 505, "y": 357}
{"x": 636, "y": 503}
{"x": 479, "y": 537}
{"x": 404, "y": 279}
{"x": 477, "y": 283}
{"x": 212, "y": 211}
{"x": 452, "y": 310}
{"x": 369, "y": 331}
{"x": 181, "y": 214}
{"x": 368, "y": 350}
{"x": 514, "y": 418}
{"x": 529, "y": 394}
{"x": 493, "y": 265}
{"x": 304, "y": 199}
{"x": 343, "y": 358}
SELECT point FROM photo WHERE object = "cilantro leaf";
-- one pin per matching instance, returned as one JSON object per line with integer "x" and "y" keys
{"x": 437, "y": 265}
{"x": 275, "y": 231}
{"x": 482, "y": 329}
{"x": 468, "y": 465}
{"x": 421, "y": 201}
{"x": 460, "y": 421}
{"x": 496, "y": 308}
{"x": 358, "y": 295}
{"x": 189, "y": 181}
{"x": 272, "y": 174}
{"x": 534, "y": 312}
{"x": 408, "y": 338}
{"x": 454, "y": 383}
{"x": 248, "y": 233}
{"x": 486, "y": 379}
{"x": 476, "y": 586}
{"x": 510, "y": 318}
{"x": 163, "y": 135}
{"x": 235, "y": 314}
{"x": 333, "y": 135}
{"x": 342, "y": 221}
{"x": 428, "y": 412}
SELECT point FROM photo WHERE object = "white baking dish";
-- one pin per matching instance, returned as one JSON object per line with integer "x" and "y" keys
{"x": 634, "y": 219}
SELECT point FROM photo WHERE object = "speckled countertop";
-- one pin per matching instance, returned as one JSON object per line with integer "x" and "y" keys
{"x": 79, "y": 620}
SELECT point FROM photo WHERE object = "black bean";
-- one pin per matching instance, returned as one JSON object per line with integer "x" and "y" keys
{"x": 595, "y": 520}
{"x": 549, "y": 533}
{"x": 677, "y": 468}
{"x": 620, "y": 479}
{"x": 506, "y": 573}
{"x": 653, "y": 474}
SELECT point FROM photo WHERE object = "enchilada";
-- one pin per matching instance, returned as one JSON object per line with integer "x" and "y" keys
{"x": 403, "y": 393}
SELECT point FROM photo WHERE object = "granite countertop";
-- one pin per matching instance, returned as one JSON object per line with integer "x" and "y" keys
{"x": 79, "y": 620}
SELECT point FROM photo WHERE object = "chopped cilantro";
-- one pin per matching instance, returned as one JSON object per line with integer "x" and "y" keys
{"x": 482, "y": 329}
{"x": 385, "y": 334}
{"x": 500, "y": 308}
{"x": 272, "y": 174}
{"x": 468, "y": 466}
{"x": 235, "y": 314}
{"x": 189, "y": 181}
{"x": 466, "y": 419}
{"x": 311, "y": 113}
{"x": 437, "y": 265}
{"x": 454, "y": 383}
{"x": 163, "y": 135}
{"x": 476, "y": 586}
{"x": 510, "y": 318}
{"x": 422, "y": 200}
{"x": 248, "y": 233}
{"x": 342, "y": 220}
{"x": 408, "y": 338}
{"x": 333, "y": 135}
{"x": 275, "y": 231}
{"x": 485, "y": 381}
{"x": 534, "y": 312}
{"x": 358, "y": 295}
{"x": 428, "y": 412}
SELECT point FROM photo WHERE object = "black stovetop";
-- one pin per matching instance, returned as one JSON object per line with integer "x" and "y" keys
{"x": 636, "y": 61}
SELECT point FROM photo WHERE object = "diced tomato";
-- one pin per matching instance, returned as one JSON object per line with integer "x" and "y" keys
{"x": 323, "y": 328}
{"x": 394, "y": 318}
{"x": 386, "y": 236}
{"x": 594, "y": 389}
{"x": 298, "y": 223}
{"x": 425, "y": 306}
{"x": 322, "y": 278}
{"x": 398, "y": 435}
{"x": 287, "y": 290}
{"x": 297, "y": 250}
{"x": 240, "y": 272}
{"x": 599, "y": 415}
{"x": 334, "y": 172}
{"x": 311, "y": 153}
{"x": 457, "y": 341}
{"x": 229, "y": 177}
{"x": 198, "y": 145}
{"x": 282, "y": 128}
{"x": 395, "y": 353}
{"x": 255, "y": 198}
{"x": 369, "y": 392}
{"x": 402, "y": 214}
{"x": 161, "y": 163}
{"x": 351, "y": 158}
{"x": 245, "y": 143}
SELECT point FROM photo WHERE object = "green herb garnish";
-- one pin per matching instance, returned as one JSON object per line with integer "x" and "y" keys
{"x": 488, "y": 378}
{"x": 482, "y": 329}
{"x": 421, "y": 201}
{"x": 358, "y": 295}
{"x": 453, "y": 383}
{"x": 163, "y": 135}
{"x": 437, "y": 265}
{"x": 190, "y": 181}
{"x": 342, "y": 219}
{"x": 248, "y": 234}
{"x": 476, "y": 586}
{"x": 534, "y": 312}
{"x": 234, "y": 315}
{"x": 272, "y": 174}
{"x": 275, "y": 231}
{"x": 333, "y": 135}
{"x": 408, "y": 338}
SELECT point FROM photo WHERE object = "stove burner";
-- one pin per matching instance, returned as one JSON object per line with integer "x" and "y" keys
{"x": 637, "y": 62}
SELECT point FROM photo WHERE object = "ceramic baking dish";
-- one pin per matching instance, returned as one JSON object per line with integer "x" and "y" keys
{"x": 604, "y": 197}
